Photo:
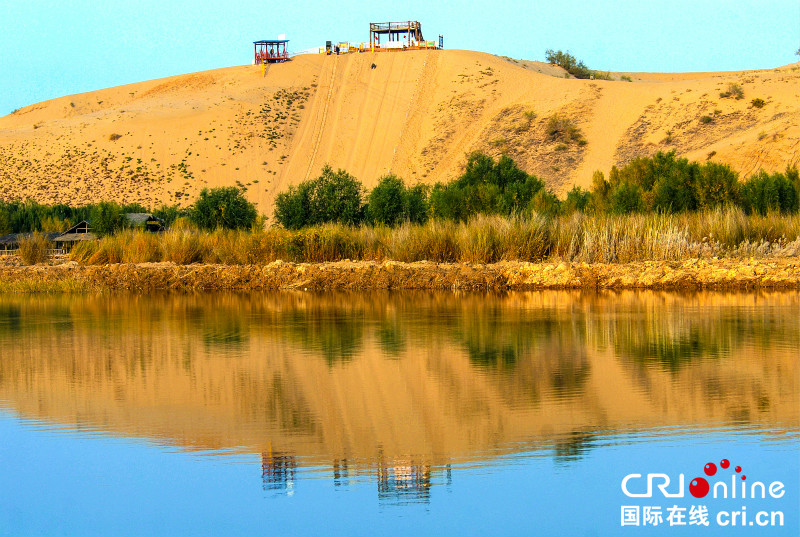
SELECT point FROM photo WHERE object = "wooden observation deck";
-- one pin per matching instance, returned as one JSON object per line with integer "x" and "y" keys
{"x": 404, "y": 34}
{"x": 270, "y": 51}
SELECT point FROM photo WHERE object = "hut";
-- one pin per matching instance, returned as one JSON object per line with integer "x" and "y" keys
{"x": 9, "y": 244}
{"x": 81, "y": 231}
{"x": 144, "y": 221}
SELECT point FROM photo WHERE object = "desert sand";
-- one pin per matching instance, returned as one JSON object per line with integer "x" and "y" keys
{"x": 416, "y": 113}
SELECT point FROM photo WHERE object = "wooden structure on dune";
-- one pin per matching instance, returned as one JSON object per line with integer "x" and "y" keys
{"x": 398, "y": 35}
{"x": 270, "y": 51}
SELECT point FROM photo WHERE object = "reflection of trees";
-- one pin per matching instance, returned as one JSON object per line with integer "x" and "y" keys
{"x": 676, "y": 336}
{"x": 336, "y": 333}
{"x": 573, "y": 446}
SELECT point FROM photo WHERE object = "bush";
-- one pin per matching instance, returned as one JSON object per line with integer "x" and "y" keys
{"x": 577, "y": 200}
{"x": 391, "y": 203}
{"x": 486, "y": 187}
{"x": 561, "y": 128}
{"x": 626, "y": 198}
{"x": 763, "y": 192}
{"x": 331, "y": 197}
{"x": 106, "y": 217}
{"x": 568, "y": 62}
{"x": 715, "y": 186}
{"x": 758, "y": 103}
{"x": 224, "y": 207}
{"x": 33, "y": 248}
{"x": 734, "y": 90}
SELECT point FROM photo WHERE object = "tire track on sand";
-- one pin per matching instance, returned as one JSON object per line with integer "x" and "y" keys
{"x": 321, "y": 128}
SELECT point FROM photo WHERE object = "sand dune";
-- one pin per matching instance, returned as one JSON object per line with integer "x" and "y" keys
{"x": 413, "y": 113}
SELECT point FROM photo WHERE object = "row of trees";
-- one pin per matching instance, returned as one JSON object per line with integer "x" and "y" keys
{"x": 662, "y": 183}
{"x": 669, "y": 184}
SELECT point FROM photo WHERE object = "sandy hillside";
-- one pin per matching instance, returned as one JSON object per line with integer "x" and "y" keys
{"x": 414, "y": 113}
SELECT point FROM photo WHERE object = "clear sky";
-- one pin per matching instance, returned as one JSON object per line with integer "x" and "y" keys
{"x": 51, "y": 48}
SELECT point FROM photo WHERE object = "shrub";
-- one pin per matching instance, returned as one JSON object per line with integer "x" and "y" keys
{"x": 33, "y": 248}
{"x": 561, "y": 128}
{"x": 331, "y": 197}
{"x": 626, "y": 198}
{"x": 715, "y": 185}
{"x": 758, "y": 103}
{"x": 486, "y": 187}
{"x": 568, "y": 62}
{"x": 626, "y": 78}
{"x": 763, "y": 192}
{"x": 734, "y": 90}
{"x": 224, "y": 207}
{"x": 706, "y": 119}
{"x": 106, "y": 217}
{"x": 577, "y": 200}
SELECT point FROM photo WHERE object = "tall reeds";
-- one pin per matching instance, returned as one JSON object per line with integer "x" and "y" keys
{"x": 483, "y": 239}
{"x": 33, "y": 248}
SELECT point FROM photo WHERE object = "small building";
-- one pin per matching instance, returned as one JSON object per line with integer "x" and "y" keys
{"x": 270, "y": 51}
{"x": 144, "y": 221}
{"x": 81, "y": 231}
{"x": 9, "y": 244}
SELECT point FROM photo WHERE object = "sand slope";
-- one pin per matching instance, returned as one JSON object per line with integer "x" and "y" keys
{"x": 413, "y": 113}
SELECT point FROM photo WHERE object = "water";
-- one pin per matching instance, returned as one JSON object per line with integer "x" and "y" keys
{"x": 392, "y": 414}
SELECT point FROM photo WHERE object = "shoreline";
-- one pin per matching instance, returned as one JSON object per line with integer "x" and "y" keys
{"x": 692, "y": 274}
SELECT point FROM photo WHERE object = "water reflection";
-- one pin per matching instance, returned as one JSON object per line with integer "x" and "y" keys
{"x": 399, "y": 386}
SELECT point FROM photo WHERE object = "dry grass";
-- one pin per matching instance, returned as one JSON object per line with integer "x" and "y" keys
{"x": 33, "y": 249}
{"x": 484, "y": 239}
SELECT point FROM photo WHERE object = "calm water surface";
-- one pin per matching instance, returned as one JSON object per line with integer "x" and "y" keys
{"x": 393, "y": 414}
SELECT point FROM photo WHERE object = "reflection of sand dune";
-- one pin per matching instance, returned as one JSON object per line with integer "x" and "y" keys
{"x": 362, "y": 377}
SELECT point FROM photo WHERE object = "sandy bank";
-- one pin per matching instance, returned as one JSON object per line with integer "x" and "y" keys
{"x": 783, "y": 273}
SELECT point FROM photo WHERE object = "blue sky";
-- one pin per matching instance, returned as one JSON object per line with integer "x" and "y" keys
{"x": 55, "y": 48}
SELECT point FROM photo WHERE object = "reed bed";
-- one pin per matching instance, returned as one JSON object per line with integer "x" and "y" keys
{"x": 726, "y": 232}
{"x": 34, "y": 249}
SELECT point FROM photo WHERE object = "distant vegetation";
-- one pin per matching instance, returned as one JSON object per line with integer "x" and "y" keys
{"x": 659, "y": 207}
{"x": 662, "y": 183}
{"x": 575, "y": 67}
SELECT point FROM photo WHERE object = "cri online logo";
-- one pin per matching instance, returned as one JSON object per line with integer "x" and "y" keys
{"x": 699, "y": 487}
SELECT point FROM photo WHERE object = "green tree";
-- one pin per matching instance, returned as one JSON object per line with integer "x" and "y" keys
{"x": 716, "y": 185}
{"x": 223, "y": 207}
{"x": 390, "y": 202}
{"x": 106, "y": 217}
{"x": 626, "y": 198}
{"x": 763, "y": 192}
{"x": 331, "y": 197}
{"x": 335, "y": 197}
{"x": 5, "y": 219}
{"x": 487, "y": 187}
{"x": 387, "y": 201}
{"x": 577, "y": 200}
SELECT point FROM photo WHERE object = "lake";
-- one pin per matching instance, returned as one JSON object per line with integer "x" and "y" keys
{"x": 378, "y": 413}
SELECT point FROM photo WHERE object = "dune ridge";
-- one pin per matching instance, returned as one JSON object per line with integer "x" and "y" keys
{"x": 414, "y": 113}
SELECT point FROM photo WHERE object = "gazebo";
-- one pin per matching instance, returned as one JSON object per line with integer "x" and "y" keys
{"x": 270, "y": 51}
